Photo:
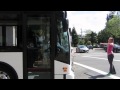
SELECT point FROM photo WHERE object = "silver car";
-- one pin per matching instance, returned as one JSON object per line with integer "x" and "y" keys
{"x": 82, "y": 48}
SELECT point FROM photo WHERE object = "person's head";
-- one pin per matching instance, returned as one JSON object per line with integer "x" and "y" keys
{"x": 110, "y": 40}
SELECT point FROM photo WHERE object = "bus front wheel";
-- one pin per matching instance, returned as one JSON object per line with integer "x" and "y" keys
{"x": 6, "y": 73}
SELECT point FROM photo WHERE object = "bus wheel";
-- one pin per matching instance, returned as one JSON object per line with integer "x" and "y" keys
{"x": 6, "y": 73}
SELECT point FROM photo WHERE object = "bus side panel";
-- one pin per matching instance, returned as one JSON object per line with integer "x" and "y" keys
{"x": 68, "y": 76}
{"x": 60, "y": 70}
{"x": 58, "y": 77}
{"x": 14, "y": 59}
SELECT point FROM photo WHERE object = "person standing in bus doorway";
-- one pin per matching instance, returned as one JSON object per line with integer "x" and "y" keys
{"x": 110, "y": 55}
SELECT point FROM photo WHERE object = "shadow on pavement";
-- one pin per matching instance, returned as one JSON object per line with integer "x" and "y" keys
{"x": 97, "y": 76}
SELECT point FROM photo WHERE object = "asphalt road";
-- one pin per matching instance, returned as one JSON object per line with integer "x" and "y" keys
{"x": 94, "y": 65}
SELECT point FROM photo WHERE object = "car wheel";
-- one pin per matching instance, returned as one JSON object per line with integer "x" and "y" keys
{"x": 76, "y": 50}
{"x": 105, "y": 50}
{"x": 115, "y": 50}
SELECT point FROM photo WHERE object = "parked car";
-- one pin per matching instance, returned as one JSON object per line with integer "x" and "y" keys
{"x": 116, "y": 48}
{"x": 82, "y": 48}
{"x": 105, "y": 47}
{"x": 90, "y": 46}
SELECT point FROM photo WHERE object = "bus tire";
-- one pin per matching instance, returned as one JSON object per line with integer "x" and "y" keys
{"x": 7, "y": 73}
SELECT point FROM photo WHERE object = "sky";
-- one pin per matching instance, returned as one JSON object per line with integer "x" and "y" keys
{"x": 87, "y": 20}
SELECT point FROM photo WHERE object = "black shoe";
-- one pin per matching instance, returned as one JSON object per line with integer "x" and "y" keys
{"x": 113, "y": 72}
{"x": 108, "y": 74}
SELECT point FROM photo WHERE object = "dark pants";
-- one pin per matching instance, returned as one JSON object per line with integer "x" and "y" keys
{"x": 110, "y": 59}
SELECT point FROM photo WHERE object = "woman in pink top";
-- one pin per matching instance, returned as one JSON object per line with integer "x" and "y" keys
{"x": 111, "y": 55}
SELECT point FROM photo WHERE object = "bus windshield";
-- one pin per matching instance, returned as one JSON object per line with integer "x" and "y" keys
{"x": 63, "y": 49}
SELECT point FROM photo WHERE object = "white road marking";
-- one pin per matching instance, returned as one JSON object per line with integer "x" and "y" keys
{"x": 101, "y": 58}
{"x": 96, "y": 70}
{"x": 93, "y": 55}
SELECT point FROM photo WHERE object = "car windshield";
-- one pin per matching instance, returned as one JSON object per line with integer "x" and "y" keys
{"x": 116, "y": 45}
{"x": 82, "y": 46}
{"x": 89, "y": 46}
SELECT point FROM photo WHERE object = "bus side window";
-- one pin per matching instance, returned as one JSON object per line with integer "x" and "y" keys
{"x": 11, "y": 35}
{"x": 0, "y": 36}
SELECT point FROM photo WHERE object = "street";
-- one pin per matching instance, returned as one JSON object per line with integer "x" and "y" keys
{"x": 94, "y": 65}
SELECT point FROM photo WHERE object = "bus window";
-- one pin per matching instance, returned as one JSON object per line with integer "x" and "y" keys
{"x": 10, "y": 32}
{"x": 8, "y": 36}
{"x": 11, "y": 36}
{"x": 0, "y": 36}
{"x": 63, "y": 44}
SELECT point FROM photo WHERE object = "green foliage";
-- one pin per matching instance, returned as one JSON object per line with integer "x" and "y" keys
{"x": 112, "y": 29}
{"x": 91, "y": 36}
{"x": 81, "y": 42}
{"x": 103, "y": 36}
{"x": 75, "y": 39}
{"x": 88, "y": 43}
{"x": 110, "y": 15}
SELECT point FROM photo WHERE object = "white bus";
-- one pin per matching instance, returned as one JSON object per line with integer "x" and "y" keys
{"x": 35, "y": 45}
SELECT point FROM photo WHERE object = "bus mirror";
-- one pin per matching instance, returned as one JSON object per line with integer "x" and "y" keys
{"x": 65, "y": 25}
{"x": 65, "y": 14}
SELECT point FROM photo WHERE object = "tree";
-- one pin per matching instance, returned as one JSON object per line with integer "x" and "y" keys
{"x": 88, "y": 43}
{"x": 103, "y": 36}
{"x": 75, "y": 38}
{"x": 87, "y": 36}
{"x": 112, "y": 28}
{"x": 93, "y": 38}
{"x": 81, "y": 42}
{"x": 90, "y": 36}
{"x": 110, "y": 15}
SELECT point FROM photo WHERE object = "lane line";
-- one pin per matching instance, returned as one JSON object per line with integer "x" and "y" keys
{"x": 101, "y": 58}
{"x": 96, "y": 70}
{"x": 93, "y": 55}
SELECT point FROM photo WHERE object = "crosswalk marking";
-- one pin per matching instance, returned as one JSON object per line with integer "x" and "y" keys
{"x": 100, "y": 58}
{"x": 96, "y": 70}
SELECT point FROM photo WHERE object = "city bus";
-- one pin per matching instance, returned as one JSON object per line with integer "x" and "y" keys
{"x": 35, "y": 45}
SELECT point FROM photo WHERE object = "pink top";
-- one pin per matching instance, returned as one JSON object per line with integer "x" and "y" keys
{"x": 110, "y": 48}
